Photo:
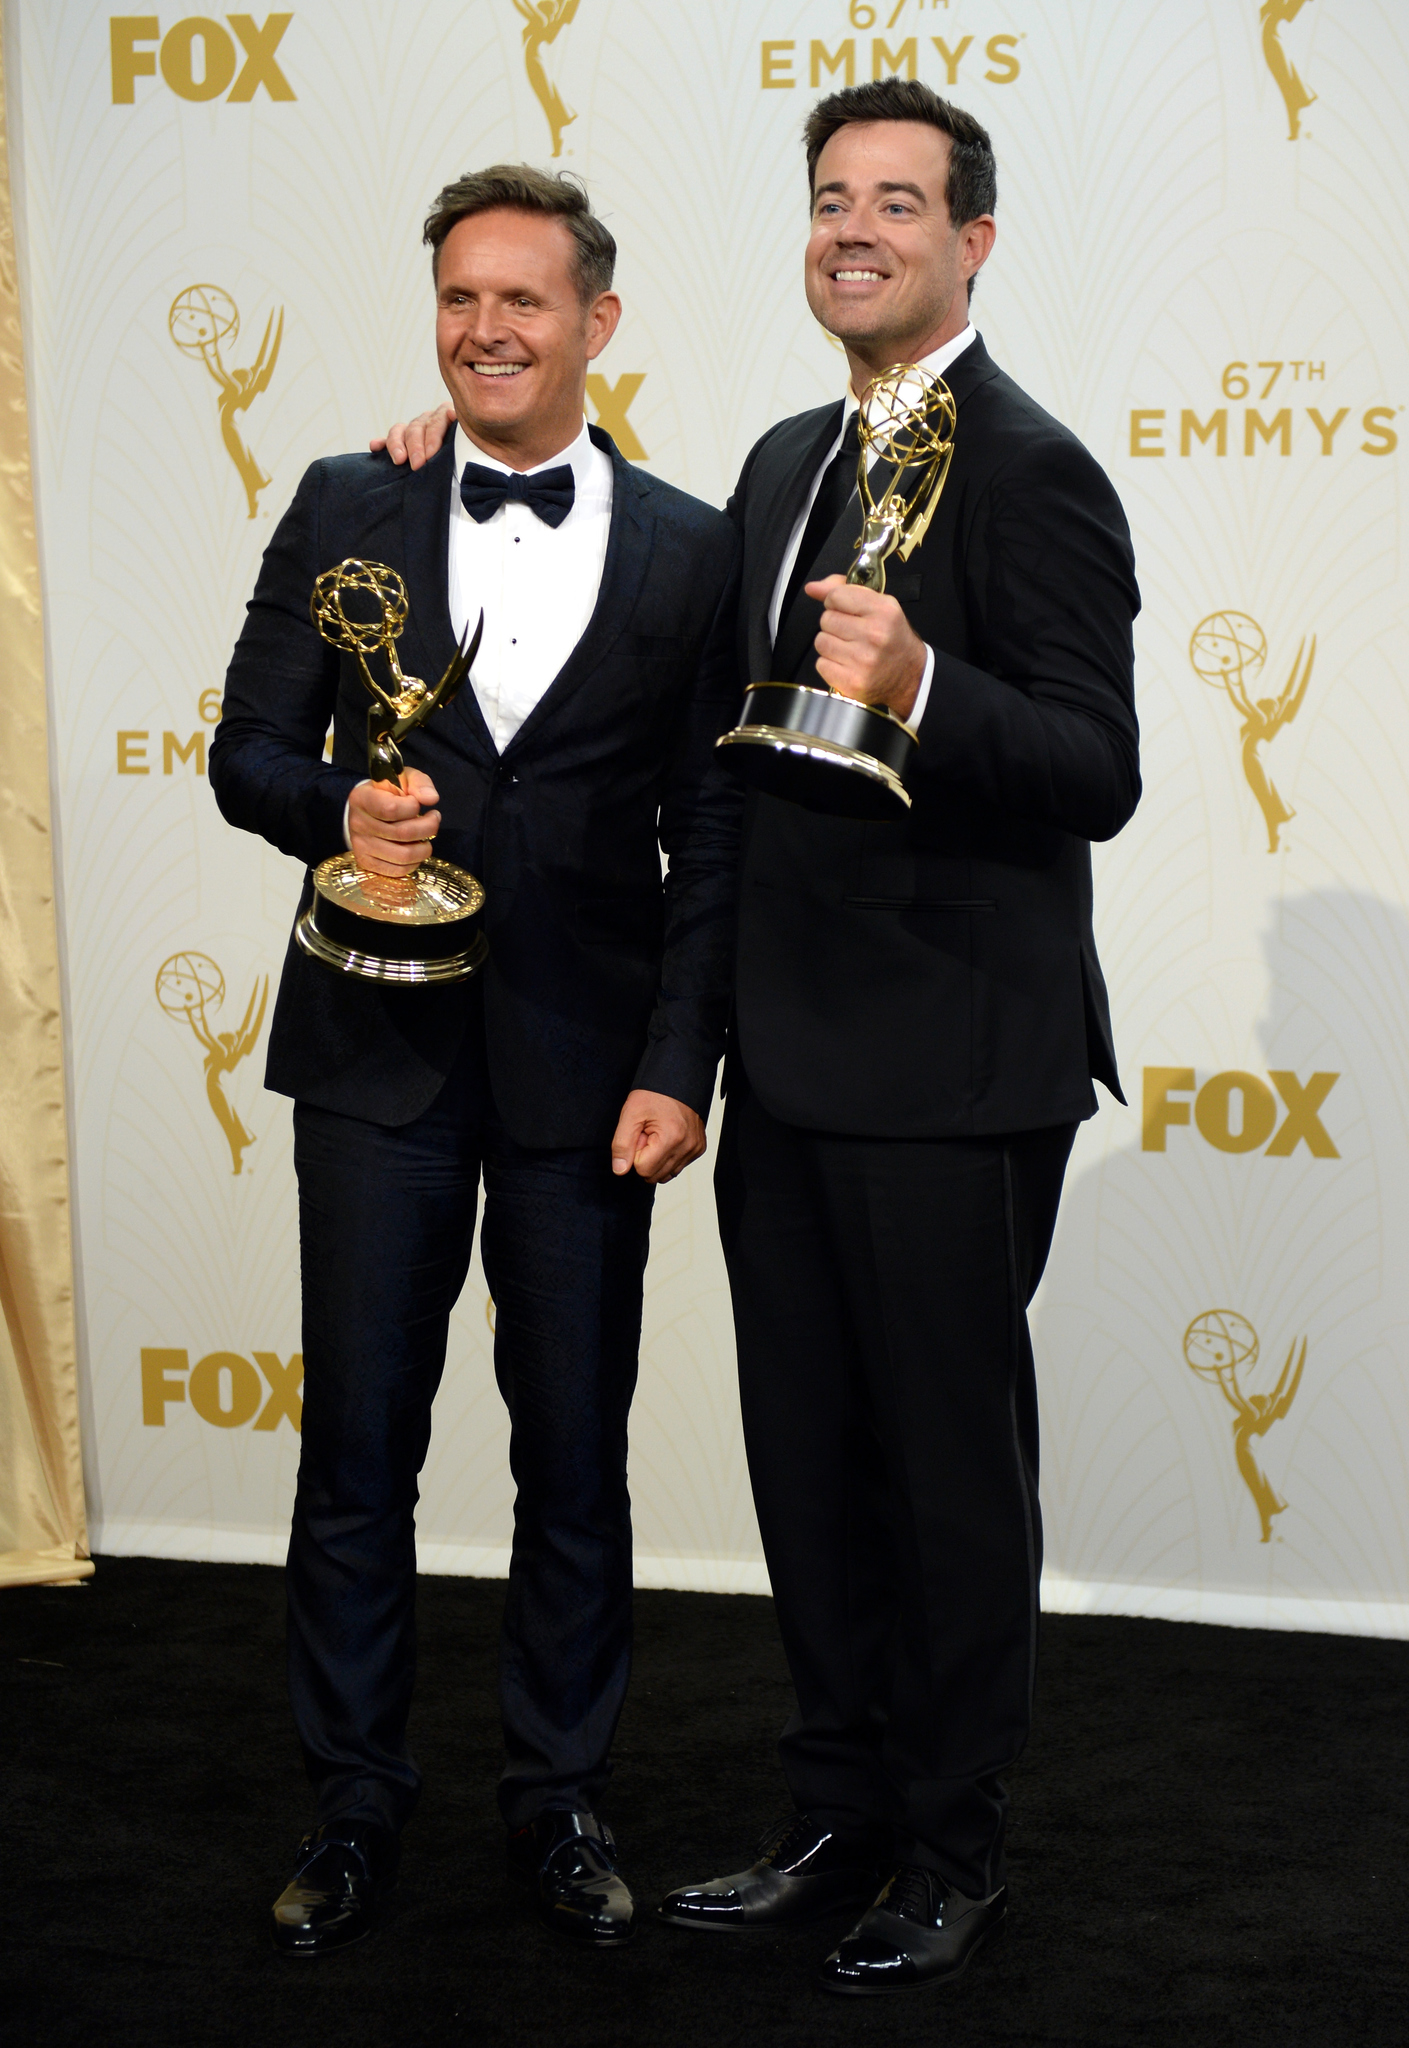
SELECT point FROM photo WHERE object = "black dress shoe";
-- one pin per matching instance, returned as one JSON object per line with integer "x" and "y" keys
{"x": 919, "y": 1931}
{"x": 343, "y": 1874}
{"x": 803, "y": 1870}
{"x": 569, "y": 1862}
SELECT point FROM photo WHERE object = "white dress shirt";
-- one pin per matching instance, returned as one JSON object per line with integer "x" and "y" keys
{"x": 938, "y": 363}
{"x": 537, "y": 583}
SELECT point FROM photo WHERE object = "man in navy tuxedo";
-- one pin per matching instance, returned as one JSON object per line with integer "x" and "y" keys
{"x": 573, "y": 1073}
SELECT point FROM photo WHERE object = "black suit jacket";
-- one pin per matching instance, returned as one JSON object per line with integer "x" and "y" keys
{"x": 600, "y": 976}
{"x": 938, "y": 976}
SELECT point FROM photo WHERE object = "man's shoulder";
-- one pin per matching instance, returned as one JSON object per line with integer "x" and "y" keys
{"x": 786, "y": 440}
{"x": 687, "y": 518}
{"x": 357, "y": 476}
{"x": 781, "y": 450}
{"x": 1014, "y": 426}
{"x": 676, "y": 504}
{"x": 1021, "y": 457}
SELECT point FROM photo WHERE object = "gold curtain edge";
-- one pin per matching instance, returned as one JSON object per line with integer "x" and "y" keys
{"x": 63, "y": 1565}
{"x": 36, "y": 1246}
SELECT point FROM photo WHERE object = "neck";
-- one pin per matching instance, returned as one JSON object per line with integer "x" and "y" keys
{"x": 866, "y": 359}
{"x": 522, "y": 448}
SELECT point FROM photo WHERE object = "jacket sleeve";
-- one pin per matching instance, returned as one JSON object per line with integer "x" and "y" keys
{"x": 266, "y": 760}
{"x": 738, "y": 496}
{"x": 700, "y": 815}
{"x": 1045, "y": 727}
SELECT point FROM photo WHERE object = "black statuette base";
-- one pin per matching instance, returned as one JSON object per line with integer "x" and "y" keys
{"x": 426, "y": 929}
{"x": 826, "y": 752}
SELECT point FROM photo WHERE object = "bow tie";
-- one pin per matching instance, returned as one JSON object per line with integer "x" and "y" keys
{"x": 549, "y": 494}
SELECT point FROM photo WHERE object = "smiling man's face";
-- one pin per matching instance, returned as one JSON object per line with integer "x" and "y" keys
{"x": 512, "y": 334}
{"x": 886, "y": 270}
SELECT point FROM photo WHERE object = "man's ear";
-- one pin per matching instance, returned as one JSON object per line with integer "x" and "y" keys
{"x": 603, "y": 318}
{"x": 978, "y": 236}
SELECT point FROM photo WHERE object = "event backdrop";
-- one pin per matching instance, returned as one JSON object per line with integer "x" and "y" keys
{"x": 1203, "y": 267}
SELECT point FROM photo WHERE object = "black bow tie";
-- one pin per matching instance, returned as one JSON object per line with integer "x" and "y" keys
{"x": 550, "y": 493}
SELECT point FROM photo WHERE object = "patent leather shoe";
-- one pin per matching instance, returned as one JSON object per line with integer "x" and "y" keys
{"x": 568, "y": 1861}
{"x": 803, "y": 1870}
{"x": 920, "y": 1931}
{"x": 340, "y": 1881}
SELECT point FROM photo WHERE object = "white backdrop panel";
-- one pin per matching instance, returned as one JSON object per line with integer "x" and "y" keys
{"x": 1218, "y": 306}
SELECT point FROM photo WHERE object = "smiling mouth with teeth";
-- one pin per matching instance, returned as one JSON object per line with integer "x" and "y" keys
{"x": 857, "y": 277}
{"x": 498, "y": 369}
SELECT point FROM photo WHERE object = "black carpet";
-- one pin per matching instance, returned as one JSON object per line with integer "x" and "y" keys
{"x": 1210, "y": 1840}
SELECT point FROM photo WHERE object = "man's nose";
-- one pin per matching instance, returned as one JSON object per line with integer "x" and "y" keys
{"x": 488, "y": 329}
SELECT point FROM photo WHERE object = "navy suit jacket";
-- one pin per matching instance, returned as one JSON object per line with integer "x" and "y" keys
{"x": 937, "y": 977}
{"x": 601, "y": 975}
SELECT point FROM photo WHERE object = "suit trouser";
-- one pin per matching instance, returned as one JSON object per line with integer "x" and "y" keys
{"x": 890, "y": 1416}
{"x": 387, "y": 1220}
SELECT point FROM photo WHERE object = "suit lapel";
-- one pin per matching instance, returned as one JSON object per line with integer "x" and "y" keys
{"x": 974, "y": 367}
{"x": 630, "y": 541}
{"x": 798, "y": 629}
{"x": 793, "y": 461}
{"x": 405, "y": 522}
{"x": 425, "y": 521}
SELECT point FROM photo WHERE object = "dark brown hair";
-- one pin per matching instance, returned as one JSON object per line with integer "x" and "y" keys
{"x": 972, "y": 187}
{"x": 525, "y": 190}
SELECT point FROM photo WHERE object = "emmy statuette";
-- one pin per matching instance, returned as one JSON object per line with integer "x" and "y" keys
{"x": 423, "y": 926}
{"x": 813, "y": 745}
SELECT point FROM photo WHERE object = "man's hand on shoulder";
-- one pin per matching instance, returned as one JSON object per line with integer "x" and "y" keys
{"x": 657, "y": 1135}
{"x": 417, "y": 441}
{"x": 390, "y": 830}
{"x": 866, "y": 647}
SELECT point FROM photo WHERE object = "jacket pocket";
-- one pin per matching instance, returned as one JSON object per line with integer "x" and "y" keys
{"x": 922, "y": 902}
{"x": 904, "y": 582}
{"x": 662, "y": 646}
{"x": 620, "y": 920}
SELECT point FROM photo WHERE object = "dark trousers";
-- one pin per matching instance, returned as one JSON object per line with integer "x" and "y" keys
{"x": 387, "y": 1220}
{"x": 890, "y": 1416}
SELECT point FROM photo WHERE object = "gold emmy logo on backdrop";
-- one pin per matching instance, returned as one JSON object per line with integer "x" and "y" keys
{"x": 1272, "y": 14}
{"x": 189, "y": 985}
{"x": 201, "y": 317}
{"x": 542, "y": 20}
{"x": 1227, "y": 651}
{"x": 1219, "y": 1345}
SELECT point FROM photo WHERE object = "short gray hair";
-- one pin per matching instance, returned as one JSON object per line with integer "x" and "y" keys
{"x": 523, "y": 189}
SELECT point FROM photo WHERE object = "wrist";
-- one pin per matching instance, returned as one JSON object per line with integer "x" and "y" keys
{"x": 347, "y": 812}
{"x": 915, "y": 709}
{"x": 904, "y": 695}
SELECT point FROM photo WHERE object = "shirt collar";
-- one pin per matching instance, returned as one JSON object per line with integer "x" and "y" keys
{"x": 579, "y": 454}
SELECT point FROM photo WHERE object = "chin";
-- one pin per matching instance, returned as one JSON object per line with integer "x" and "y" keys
{"x": 496, "y": 400}
{"x": 851, "y": 322}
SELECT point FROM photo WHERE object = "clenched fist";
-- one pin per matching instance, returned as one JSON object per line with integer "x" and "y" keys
{"x": 391, "y": 829}
{"x": 866, "y": 647}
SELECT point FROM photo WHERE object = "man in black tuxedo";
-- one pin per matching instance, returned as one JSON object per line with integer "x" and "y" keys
{"x": 573, "y": 1073}
{"x": 919, "y": 1015}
